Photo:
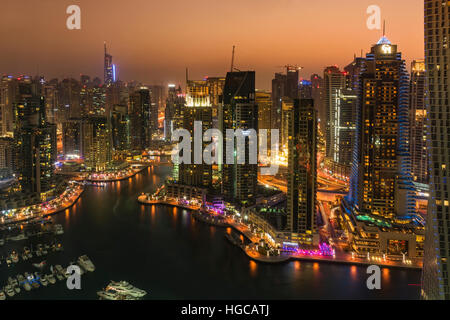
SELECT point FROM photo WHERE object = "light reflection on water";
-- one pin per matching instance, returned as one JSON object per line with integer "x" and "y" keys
{"x": 155, "y": 247}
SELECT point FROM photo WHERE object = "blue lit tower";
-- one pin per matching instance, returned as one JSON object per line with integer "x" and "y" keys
{"x": 381, "y": 182}
{"x": 109, "y": 69}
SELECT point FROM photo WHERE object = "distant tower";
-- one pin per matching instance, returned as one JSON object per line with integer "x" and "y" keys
{"x": 109, "y": 69}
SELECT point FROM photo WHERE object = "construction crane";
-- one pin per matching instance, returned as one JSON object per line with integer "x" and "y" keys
{"x": 232, "y": 61}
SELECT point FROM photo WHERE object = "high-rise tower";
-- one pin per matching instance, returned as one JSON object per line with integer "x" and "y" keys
{"x": 239, "y": 111}
{"x": 381, "y": 183}
{"x": 302, "y": 171}
{"x": 436, "y": 266}
{"x": 109, "y": 69}
{"x": 418, "y": 116}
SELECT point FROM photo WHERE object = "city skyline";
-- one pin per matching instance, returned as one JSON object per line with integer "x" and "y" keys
{"x": 146, "y": 53}
{"x": 161, "y": 137}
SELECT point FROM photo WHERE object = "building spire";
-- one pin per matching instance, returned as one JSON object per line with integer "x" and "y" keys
{"x": 384, "y": 28}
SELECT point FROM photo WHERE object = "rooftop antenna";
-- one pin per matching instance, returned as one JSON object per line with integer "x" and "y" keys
{"x": 384, "y": 28}
{"x": 232, "y": 60}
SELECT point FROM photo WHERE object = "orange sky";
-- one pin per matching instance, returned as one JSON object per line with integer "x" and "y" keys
{"x": 154, "y": 40}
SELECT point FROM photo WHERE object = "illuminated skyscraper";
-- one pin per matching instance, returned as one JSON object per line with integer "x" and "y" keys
{"x": 418, "y": 117}
{"x": 239, "y": 181}
{"x": 334, "y": 83}
{"x": 35, "y": 141}
{"x": 109, "y": 69}
{"x": 302, "y": 171}
{"x": 197, "y": 109}
{"x": 8, "y": 92}
{"x": 173, "y": 115}
{"x": 72, "y": 138}
{"x": 96, "y": 143}
{"x": 436, "y": 266}
{"x": 381, "y": 183}
{"x": 264, "y": 102}
{"x": 284, "y": 86}
{"x": 140, "y": 115}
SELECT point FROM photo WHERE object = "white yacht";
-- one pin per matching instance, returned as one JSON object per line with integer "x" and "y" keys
{"x": 43, "y": 280}
{"x": 59, "y": 229}
{"x": 26, "y": 286}
{"x": 9, "y": 291}
{"x": 2, "y": 296}
{"x": 110, "y": 294}
{"x": 125, "y": 288}
{"x": 51, "y": 279}
{"x": 86, "y": 263}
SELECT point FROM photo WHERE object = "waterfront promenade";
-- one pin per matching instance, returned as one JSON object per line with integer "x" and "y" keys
{"x": 66, "y": 200}
{"x": 252, "y": 253}
{"x": 114, "y": 176}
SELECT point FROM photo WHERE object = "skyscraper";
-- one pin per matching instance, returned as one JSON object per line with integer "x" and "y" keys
{"x": 418, "y": 116}
{"x": 436, "y": 266}
{"x": 317, "y": 94}
{"x": 35, "y": 141}
{"x": 302, "y": 171}
{"x": 140, "y": 115}
{"x": 334, "y": 83}
{"x": 72, "y": 138}
{"x": 197, "y": 108}
{"x": 8, "y": 93}
{"x": 196, "y": 175}
{"x": 109, "y": 69}
{"x": 96, "y": 143}
{"x": 173, "y": 115}
{"x": 381, "y": 183}
{"x": 284, "y": 86}
{"x": 264, "y": 102}
{"x": 239, "y": 111}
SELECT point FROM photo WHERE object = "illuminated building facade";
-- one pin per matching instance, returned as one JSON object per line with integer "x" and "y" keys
{"x": 109, "y": 69}
{"x": 196, "y": 175}
{"x": 381, "y": 183}
{"x": 239, "y": 111}
{"x": 197, "y": 108}
{"x": 436, "y": 267}
{"x": 72, "y": 138}
{"x": 418, "y": 117}
{"x": 302, "y": 171}
{"x": 345, "y": 128}
{"x": 317, "y": 94}
{"x": 96, "y": 143}
{"x": 8, "y": 91}
{"x": 334, "y": 83}
{"x": 264, "y": 102}
{"x": 35, "y": 141}
{"x": 120, "y": 129}
{"x": 7, "y": 155}
{"x": 173, "y": 115}
{"x": 140, "y": 114}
